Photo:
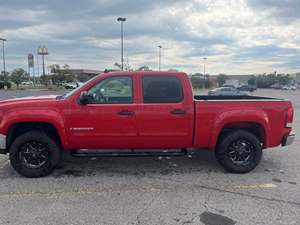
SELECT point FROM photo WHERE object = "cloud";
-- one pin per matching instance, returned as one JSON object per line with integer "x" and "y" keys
{"x": 282, "y": 10}
{"x": 234, "y": 35}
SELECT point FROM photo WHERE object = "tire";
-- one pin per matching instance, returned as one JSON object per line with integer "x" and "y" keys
{"x": 34, "y": 154}
{"x": 239, "y": 151}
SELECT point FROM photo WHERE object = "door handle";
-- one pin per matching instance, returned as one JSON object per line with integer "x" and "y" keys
{"x": 178, "y": 112}
{"x": 126, "y": 113}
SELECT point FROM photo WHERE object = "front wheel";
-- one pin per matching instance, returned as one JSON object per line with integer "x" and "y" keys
{"x": 34, "y": 154}
{"x": 239, "y": 151}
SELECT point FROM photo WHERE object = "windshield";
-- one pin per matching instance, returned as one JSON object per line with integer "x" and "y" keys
{"x": 68, "y": 94}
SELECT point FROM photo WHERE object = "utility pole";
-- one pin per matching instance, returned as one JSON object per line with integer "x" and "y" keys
{"x": 204, "y": 61}
{"x": 3, "y": 57}
{"x": 122, "y": 20}
{"x": 159, "y": 57}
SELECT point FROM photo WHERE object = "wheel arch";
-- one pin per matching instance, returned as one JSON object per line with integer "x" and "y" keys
{"x": 20, "y": 128}
{"x": 257, "y": 129}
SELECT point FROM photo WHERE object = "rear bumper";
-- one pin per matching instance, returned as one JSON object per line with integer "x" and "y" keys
{"x": 288, "y": 140}
{"x": 2, "y": 144}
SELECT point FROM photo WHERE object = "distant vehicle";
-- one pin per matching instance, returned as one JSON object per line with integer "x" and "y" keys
{"x": 227, "y": 91}
{"x": 286, "y": 87}
{"x": 248, "y": 87}
{"x": 72, "y": 85}
{"x": 228, "y": 85}
{"x": 276, "y": 86}
{"x": 27, "y": 83}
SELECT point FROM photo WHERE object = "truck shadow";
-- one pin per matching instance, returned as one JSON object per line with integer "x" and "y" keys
{"x": 201, "y": 162}
{"x": 137, "y": 166}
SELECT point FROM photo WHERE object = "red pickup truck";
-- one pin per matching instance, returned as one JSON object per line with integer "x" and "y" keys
{"x": 140, "y": 110}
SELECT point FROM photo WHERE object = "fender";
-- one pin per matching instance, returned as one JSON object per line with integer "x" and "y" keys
{"x": 46, "y": 115}
{"x": 235, "y": 116}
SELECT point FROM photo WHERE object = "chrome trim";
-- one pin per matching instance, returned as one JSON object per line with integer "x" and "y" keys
{"x": 2, "y": 141}
{"x": 81, "y": 128}
{"x": 241, "y": 100}
{"x": 288, "y": 140}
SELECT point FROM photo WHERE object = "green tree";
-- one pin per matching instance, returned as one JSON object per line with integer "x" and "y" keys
{"x": 144, "y": 68}
{"x": 18, "y": 76}
{"x": 284, "y": 79}
{"x": 199, "y": 81}
{"x": 221, "y": 79}
{"x": 118, "y": 65}
{"x": 252, "y": 80}
{"x": 61, "y": 74}
{"x": 4, "y": 77}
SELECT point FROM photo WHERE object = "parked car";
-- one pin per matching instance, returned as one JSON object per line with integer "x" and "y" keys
{"x": 228, "y": 85}
{"x": 294, "y": 88}
{"x": 72, "y": 85}
{"x": 227, "y": 91}
{"x": 247, "y": 87}
{"x": 140, "y": 110}
{"x": 286, "y": 87}
{"x": 27, "y": 83}
{"x": 4, "y": 84}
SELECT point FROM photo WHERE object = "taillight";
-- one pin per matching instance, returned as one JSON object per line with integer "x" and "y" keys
{"x": 289, "y": 117}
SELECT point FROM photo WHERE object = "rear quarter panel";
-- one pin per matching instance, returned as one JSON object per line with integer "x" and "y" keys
{"x": 212, "y": 116}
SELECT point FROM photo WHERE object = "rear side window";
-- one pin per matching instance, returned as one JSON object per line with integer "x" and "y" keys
{"x": 162, "y": 89}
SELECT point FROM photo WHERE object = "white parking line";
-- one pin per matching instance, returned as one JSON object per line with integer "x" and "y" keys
{"x": 4, "y": 164}
{"x": 254, "y": 186}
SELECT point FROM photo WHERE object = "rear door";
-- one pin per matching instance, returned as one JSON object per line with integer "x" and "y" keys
{"x": 165, "y": 112}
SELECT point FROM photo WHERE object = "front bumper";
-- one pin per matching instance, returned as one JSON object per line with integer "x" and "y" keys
{"x": 2, "y": 144}
{"x": 288, "y": 140}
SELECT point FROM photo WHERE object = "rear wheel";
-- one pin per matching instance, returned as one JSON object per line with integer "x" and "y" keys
{"x": 239, "y": 151}
{"x": 34, "y": 154}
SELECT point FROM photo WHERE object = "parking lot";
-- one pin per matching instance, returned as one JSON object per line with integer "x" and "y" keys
{"x": 175, "y": 190}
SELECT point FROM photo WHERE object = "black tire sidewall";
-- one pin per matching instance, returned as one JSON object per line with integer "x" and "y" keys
{"x": 48, "y": 167}
{"x": 225, "y": 161}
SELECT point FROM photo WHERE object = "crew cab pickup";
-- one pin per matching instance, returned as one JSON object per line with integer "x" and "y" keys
{"x": 137, "y": 111}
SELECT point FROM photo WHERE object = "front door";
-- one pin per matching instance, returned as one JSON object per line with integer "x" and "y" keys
{"x": 110, "y": 116}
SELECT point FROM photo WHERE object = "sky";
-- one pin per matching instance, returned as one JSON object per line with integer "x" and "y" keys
{"x": 236, "y": 36}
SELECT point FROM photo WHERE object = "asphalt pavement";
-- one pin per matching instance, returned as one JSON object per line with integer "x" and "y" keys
{"x": 175, "y": 190}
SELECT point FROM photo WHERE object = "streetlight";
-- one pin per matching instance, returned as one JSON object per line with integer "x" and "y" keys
{"x": 43, "y": 51}
{"x": 3, "y": 56}
{"x": 204, "y": 61}
{"x": 159, "y": 56}
{"x": 122, "y": 20}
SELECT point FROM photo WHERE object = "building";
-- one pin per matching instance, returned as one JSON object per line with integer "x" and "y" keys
{"x": 84, "y": 74}
{"x": 296, "y": 77}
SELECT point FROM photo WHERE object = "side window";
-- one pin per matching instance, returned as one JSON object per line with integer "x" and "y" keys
{"x": 162, "y": 89}
{"x": 113, "y": 90}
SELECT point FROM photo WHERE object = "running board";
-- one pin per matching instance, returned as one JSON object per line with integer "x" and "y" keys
{"x": 99, "y": 153}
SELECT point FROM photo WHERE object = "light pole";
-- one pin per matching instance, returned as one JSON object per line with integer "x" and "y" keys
{"x": 122, "y": 20}
{"x": 3, "y": 56}
{"x": 43, "y": 51}
{"x": 37, "y": 62}
{"x": 204, "y": 61}
{"x": 159, "y": 57}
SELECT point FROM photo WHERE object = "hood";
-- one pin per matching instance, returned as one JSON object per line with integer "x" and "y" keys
{"x": 29, "y": 99}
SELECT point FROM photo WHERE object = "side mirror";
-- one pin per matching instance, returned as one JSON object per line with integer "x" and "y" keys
{"x": 84, "y": 98}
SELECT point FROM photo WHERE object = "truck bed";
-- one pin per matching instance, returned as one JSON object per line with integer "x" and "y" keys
{"x": 214, "y": 113}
